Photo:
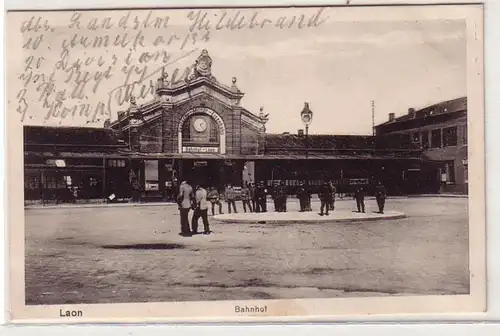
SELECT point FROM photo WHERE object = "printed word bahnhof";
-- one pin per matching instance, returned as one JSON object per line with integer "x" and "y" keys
{"x": 196, "y": 130}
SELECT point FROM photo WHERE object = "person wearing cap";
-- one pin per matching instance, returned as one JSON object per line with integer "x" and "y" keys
{"x": 302, "y": 195}
{"x": 213, "y": 197}
{"x": 380, "y": 195}
{"x": 230, "y": 196}
{"x": 200, "y": 211}
{"x": 359, "y": 196}
{"x": 325, "y": 195}
{"x": 184, "y": 200}
{"x": 246, "y": 198}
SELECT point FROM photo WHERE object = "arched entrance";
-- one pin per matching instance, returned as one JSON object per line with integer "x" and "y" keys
{"x": 202, "y": 131}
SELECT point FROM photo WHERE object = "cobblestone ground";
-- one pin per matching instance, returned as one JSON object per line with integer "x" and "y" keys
{"x": 134, "y": 254}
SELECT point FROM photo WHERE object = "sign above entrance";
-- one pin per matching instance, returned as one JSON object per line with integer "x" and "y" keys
{"x": 200, "y": 149}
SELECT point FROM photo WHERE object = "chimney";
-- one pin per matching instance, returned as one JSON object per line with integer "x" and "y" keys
{"x": 301, "y": 132}
{"x": 392, "y": 116}
{"x": 411, "y": 112}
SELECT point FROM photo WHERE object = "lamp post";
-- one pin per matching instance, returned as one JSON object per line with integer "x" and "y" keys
{"x": 306, "y": 115}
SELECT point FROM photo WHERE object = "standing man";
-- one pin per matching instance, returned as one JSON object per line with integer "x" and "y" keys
{"x": 302, "y": 195}
{"x": 283, "y": 195}
{"x": 245, "y": 198}
{"x": 213, "y": 197}
{"x": 334, "y": 191}
{"x": 380, "y": 195}
{"x": 359, "y": 196}
{"x": 325, "y": 195}
{"x": 261, "y": 196}
{"x": 230, "y": 196}
{"x": 275, "y": 194}
{"x": 200, "y": 211}
{"x": 184, "y": 200}
{"x": 252, "y": 197}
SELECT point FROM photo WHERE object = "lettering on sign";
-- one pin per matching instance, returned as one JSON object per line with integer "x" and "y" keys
{"x": 200, "y": 149}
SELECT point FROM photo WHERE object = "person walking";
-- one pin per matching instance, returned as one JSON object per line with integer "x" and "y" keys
{"x": 246, "y": 198}
{"x": 230, "y": 196}
{"x": 200, "y": 211}
{"x": 359, "y": 196}
{"x": 380, "y": 195}
{"x": 213, "y": 197}
{"x": 184, "y": 200}
{"x": 325, "y": 195}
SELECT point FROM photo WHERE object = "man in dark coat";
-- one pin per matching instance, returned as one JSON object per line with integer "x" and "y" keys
{"x": 359, "y": 196}
{"x": 325, "y": 195}
{"x": 380, "y": 195}
{"x": 253, "y": 199}
{"x": 275, "y": 194}
{"x": 332, "y": 201}
{"x": 282, "y": 197}
{"x": 261, "y": 197}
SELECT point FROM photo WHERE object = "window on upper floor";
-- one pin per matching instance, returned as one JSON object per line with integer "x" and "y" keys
{"x": 450, "y": 136}
{"x": 464, "y": 134}
{"x": 436, "y": 138}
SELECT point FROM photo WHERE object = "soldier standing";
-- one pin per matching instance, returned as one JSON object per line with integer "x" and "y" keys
{"x": 261, "y": 197}
{"x": 359, "y": 196}
{"x": 230, "y": 196}
{"x": 275, "y": 194}
{"x": 200, "y": 211}
{"x": 251, "y": 188}
{"x": 245, "y": 198}
{"x": 283, "y": 195}
{"x": 380, "y": 195}
{"x": 303, "y": 196}
{"x": 213, "y": 197}
{"x": 325, "y": 195}
{"x": 334, "y": 191}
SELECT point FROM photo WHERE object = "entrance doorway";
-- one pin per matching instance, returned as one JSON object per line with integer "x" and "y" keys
{"x": 210, "y": 173}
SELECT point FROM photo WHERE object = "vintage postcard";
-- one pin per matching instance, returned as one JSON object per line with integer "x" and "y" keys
{"x": 245, "y": 164}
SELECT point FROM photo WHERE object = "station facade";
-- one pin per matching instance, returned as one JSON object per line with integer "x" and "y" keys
{"x": 196, "y": 130}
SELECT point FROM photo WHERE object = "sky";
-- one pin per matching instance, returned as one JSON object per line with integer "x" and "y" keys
{"x": 338, "y": 67}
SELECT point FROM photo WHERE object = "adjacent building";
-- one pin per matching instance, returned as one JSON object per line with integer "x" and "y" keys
{"x": 440, "y": 131}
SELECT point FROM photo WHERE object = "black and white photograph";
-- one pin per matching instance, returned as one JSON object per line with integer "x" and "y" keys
{"x": 234, "y": 163}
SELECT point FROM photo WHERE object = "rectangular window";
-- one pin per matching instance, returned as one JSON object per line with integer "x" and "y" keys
{"x": 464, "y": 134}
{"x": 436, "y": 138}
{"x": 425, "y": 139}
{"x": 450, "y": 136}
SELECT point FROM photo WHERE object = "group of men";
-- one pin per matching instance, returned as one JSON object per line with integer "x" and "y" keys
{"x": 380, "y": 196}
{"x": 196, "y": 200}
{"x": 254, "y": 197}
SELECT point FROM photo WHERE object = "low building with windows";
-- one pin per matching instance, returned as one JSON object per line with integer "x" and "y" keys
{"x": 440, "y": 131}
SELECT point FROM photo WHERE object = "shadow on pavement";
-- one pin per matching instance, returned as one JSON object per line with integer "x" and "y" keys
{"x": 145, "y": 247}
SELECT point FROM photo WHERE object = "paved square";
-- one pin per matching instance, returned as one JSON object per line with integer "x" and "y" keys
{"x": 134, "y": 254}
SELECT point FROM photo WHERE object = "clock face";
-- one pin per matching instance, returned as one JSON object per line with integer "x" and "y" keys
{"x": 200, "y": 125}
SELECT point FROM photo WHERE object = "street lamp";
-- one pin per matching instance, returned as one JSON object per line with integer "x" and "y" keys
{"x": 306, "y": 115}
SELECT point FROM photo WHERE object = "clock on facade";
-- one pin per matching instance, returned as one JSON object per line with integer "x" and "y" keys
{"x": 200, "y": 125}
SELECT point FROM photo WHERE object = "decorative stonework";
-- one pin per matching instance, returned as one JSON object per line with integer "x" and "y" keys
{"x": 202, "y": 66}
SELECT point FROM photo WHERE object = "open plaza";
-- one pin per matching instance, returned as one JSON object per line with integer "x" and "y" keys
{"x": 133, "y": 253}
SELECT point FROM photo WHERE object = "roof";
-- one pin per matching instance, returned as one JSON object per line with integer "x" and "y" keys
{"x": 70, "y": 137}
{"x": 319, "y": 141}
{"x": 449, "y": 106}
